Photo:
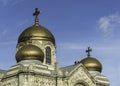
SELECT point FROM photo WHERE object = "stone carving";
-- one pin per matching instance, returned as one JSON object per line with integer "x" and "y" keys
{"x": 80, "y": 75}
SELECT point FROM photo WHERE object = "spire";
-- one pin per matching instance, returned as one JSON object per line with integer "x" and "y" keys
{"x": 88, "y": 51}
{"x": 36, "y": 13}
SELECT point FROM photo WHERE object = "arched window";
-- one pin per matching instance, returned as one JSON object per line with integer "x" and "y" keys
{"x": 48, "y": 55}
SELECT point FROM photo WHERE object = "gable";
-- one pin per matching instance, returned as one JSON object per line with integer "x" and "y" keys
{"x": 80, "y": 75}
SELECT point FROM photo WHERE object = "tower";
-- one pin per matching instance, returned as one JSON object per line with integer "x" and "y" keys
{"x": 40, "y": 37}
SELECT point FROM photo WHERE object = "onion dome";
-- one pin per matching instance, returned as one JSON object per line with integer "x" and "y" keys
{"x": 36, "y": 32}
{"x": 91, "y": 63}
{"x": 29, "y": 52}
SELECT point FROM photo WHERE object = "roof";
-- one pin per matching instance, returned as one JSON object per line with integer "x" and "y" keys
{"x": 2, "y": 71}
{"x": 69, "y": 68}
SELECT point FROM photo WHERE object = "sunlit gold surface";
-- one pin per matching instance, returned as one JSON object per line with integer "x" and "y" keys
{"x": 39, "y": 32}
{"x": 29, "y": 52}
{"x": 92, "y": 64}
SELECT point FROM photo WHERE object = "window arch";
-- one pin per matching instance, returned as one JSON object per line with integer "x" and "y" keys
{"x": 81, "y": 83}
{"x": 48, "y": 55}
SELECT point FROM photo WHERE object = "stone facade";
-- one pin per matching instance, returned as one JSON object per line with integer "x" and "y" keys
{"x": 32, "y": 73}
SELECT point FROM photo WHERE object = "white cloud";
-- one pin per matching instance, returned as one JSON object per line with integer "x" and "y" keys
{"x": 7, "y": 43}
{"x": 17, "y": 1}
{"x": 70, "y": 46}
{"x": 21, "y": 23}
{"x": 4, "y": 2}
{"x": 4, "y": 29}
{"x": 4, "y": 32}
{"x": 112, "y": 47}
{"x": 108, "y": 24}
{"x": 13, "y": 2}
{"x": 104, "y": 24}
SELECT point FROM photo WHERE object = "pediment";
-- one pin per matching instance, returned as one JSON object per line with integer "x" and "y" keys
{"x": 80, "y": 75}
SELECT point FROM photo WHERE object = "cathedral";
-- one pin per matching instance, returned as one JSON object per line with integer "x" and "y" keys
{"x": 37, "y": 66}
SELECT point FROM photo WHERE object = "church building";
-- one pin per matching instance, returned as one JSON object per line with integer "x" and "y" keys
{"x": 37, "y": 66}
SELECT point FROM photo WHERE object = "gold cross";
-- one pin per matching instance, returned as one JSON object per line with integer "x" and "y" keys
{"x": 36, "y": 13}
{"x": 88, "y": 51}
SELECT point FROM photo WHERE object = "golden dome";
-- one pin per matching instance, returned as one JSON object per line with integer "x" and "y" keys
{"x": 92, "y": 64}
{"x": 36, "y": 32}
{"x": 29, "y": 52}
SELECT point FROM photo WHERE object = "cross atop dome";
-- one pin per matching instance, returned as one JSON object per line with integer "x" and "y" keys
{"x": 88, "y": 51}
{"x": 36, "y": 13}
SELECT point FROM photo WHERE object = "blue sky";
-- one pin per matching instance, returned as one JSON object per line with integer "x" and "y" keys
{"x": 76, "y": 24}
